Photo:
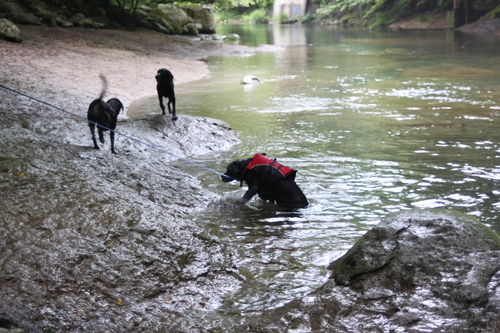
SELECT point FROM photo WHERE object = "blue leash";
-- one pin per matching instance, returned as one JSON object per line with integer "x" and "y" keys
{"x": 108, "y": 129}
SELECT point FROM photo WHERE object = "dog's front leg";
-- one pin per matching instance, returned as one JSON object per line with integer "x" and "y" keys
{"x": 160, "y": 98}
{"x": 252, "y": 190}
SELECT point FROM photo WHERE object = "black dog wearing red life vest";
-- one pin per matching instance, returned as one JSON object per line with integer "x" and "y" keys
{"x": 269, "y": 179}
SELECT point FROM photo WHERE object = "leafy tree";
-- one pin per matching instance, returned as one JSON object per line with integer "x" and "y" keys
{"x": 129, "y": 4}
{"x": 380, "y": 12}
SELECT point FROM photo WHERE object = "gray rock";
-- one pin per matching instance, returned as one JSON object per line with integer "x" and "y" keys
{"x": 191, "y": 29}
{"x": 49, "y": 19}
{"x": 64, "y": 23}
{"x": 168, "y": 27}
{"x": 203, "y": 15}
{"x": 9, "y": 31}
{"x": 414, "y": 272}
{"x": 232, "y": 37}
{"x": 90, "y": 24}
{"x": 28, "y": 18}
{"x": 75, "y": 19}
{"x": 11, "y": 330}
{"x": 171, "y": 21}
{"x": 174, "y": 13}
{"x": 86, "y": 23}
{"x": 16, "y": 14}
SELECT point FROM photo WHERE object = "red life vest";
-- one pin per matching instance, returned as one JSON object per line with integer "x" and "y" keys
{"x": 260, "y": 159}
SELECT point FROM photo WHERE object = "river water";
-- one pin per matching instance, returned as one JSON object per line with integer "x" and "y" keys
{"x": 375, "y": 121}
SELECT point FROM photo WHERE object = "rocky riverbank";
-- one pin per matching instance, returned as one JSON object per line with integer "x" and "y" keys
{"x": 96, "y": 242}
{"x": 93, "y": 241}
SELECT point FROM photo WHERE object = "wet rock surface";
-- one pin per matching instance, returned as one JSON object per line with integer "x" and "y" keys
{"x": 415, "y": 272}
{"x": 93, "y": 241}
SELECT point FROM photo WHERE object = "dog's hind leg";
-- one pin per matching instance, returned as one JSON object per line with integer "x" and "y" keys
{"x": 101, "y": 134}
{"x": 112, "y": 139}
{"x": 171, "y": 101}
{"x": 92, "y": 131}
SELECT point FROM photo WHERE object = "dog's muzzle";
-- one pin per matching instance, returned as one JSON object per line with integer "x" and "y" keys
{"x": 226, "y": 179}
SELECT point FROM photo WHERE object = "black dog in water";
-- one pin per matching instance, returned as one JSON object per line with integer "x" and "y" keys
{"x": 165, "y": 88}
{"x": 269, "y": 179}
{"x": 104, "y": 114}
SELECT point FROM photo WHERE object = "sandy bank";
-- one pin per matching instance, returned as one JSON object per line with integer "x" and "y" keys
{"x": 62, "y": 66}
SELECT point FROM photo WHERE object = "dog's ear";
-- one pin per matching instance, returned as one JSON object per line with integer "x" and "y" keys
{"x": 233, "y": 168}
{"x": 237, "y": 167}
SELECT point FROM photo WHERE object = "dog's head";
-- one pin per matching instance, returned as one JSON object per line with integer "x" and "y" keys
{"x": 164, "y": 75}
{"x": 235, "y": 170}
{"x": 115, "y": 104}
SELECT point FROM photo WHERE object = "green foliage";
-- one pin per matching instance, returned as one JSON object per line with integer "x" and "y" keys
{"x": 495, "y": 13}
{"x": 282, "y": 17}
{"x": 308, "y": 18}
{"x": 394, "y": 9}
{"x": 256, "y": 16}
{"x": 377, "y": 12}
{"x": 387, "y": 11}
{"x": 344, "y": 5}
{"x": 224, "y": 15}
{"x": 380, "y": 12}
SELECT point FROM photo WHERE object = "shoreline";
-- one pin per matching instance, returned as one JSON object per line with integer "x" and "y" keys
{"x": 62, "y": 65}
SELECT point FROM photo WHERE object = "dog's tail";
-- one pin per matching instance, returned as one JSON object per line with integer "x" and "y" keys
{"x": 104, "y": 86}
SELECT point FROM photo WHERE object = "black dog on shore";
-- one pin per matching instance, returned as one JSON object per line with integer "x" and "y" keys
{"x": 104, "y": 114}
{"x": 165, "y": 88}
{"x": 269, "y": 179}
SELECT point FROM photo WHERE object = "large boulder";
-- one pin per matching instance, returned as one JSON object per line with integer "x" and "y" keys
{"x": 9, "y": 31}
{"x": 17, "y": 14}
{"x": 204, "y": 15}
{"x": 416, "y": 271}
{"x": 170, "y": 18}
{"x": 174, "y": 13}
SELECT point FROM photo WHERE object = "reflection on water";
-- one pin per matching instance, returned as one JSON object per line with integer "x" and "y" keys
{"x": 375, "y": 122}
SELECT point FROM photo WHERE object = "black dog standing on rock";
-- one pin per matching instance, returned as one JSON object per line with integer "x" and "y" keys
{"x": 165, "y": 88}
{"x": 269, "y": 179}
{"x": 104, "y": 114}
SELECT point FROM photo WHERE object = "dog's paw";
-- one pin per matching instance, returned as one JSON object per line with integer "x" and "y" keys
{"x": 241, "y": 201}
{"x": 174, "y": 117}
